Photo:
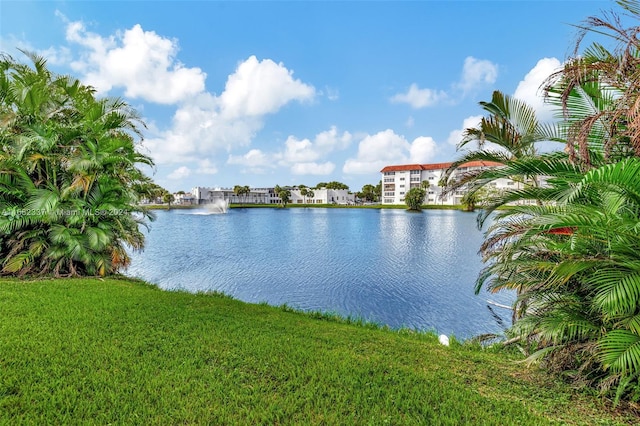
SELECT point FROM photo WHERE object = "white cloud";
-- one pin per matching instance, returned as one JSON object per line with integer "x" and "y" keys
{"x": 303, "y": 150}
{"x": 529, "y": 89}
{"x": 253, "y": 158}
{"x": 205, "y": 167}
{"x": 419, "y": 98}
{"x": 204, "y": 124}
{"x": 262, "y": 87}
{"x": 60, "y": 55}
{"x": 313, "y": 168}
{"x": 410, "y": 121}
{"x": 302, "y": 154}
{"x": 377, "y": 151}
{"x": 299, "y": 150}
{"x": 180, "y": 173}
{"x": 455, "y": 137}
{"x": 422, "y": 150}
{"x": 141, "y": 62}
{"x": 255, "y": 161}
{"x": 477, "y": 73}
{"x": 387, "y": 148}
{"x": 331, "y": 140}
{"x": 331, "y": 93}
{"x": 198, "y": 130}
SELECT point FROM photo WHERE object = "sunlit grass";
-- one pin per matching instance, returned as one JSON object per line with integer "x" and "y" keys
{"x": 113, "y": 351}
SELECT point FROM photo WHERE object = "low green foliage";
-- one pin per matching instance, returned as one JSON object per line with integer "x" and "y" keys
{"x": 115, "y": 351}
{"x": 415, "y": 198}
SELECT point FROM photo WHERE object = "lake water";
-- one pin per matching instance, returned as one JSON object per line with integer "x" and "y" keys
{"x": 392, "y": 267}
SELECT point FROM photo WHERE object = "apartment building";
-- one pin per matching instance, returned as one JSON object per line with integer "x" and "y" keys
{"x": 398, "y": 180}
{"x": 323, "y": 196}
{"x": 204, "y": 195}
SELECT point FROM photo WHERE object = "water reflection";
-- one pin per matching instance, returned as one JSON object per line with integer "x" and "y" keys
{"x": 389, "y": 266}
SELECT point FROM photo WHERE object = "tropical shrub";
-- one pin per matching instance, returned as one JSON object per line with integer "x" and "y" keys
{"x": 414, "y": 198}
{"x": 575, "y": 265}
{"x": 570, "y": 248}
{"x": 69, "y": 182}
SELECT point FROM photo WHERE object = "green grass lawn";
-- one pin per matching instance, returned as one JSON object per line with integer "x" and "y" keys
{"x": 115, "y": 351}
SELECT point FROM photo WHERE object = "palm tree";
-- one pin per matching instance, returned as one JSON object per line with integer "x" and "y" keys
{"x": 610, "y": 80}
{"x": 414, "y": 198}
{"x": 285, "y": 196}
{"x": 237, "y": 189}
{"x": 304, "y": 192}
{"x": 512, "y": 128}
{"x": 576, "y": 269}
{"x": 572, "y": 258}
{"x": 245, "y": 192}
{"x": 68, "y": 175}
{"x": 168, "y": 198}
{"x": 241, "y": 192}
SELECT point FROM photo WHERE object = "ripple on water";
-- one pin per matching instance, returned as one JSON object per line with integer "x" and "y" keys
{"x": 386, "y": 266}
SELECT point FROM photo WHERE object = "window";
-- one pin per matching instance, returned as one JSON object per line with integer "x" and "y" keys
{"x": 389, "y": 173}
{"x": 431, "y": 178}
{"x": 402, "y": 193}
{"x": 510, "y": 183}
{"x": 415, "y": 172}
{"x": 401, "y": 186}
{"x": 401, "y": 178}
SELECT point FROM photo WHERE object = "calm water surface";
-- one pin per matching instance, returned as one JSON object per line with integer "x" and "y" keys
{"x": 414, "y": 270}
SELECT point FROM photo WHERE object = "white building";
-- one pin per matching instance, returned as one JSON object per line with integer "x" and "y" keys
{"x": 185, "y": 199}
{"x": 204, "y": 195}
{"x": 398, "y": 180}
{"x": 323, "y": 196}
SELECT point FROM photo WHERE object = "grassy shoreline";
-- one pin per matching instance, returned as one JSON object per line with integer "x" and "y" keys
{"x": 119, "y": 351}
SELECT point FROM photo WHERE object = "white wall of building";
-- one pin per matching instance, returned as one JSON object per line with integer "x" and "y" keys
{"x": 203, "y": 195}
{"x": 323, "y": 196}
{"x": 396, "y": 183}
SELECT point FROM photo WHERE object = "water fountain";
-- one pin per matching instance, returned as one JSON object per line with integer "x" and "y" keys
{"x": 218, "y": 206}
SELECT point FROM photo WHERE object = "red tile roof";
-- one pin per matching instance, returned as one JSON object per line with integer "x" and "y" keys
{"x": 437, "y": 166}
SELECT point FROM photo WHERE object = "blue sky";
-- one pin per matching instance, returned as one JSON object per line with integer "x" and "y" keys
{"x": 287, "y": 93}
